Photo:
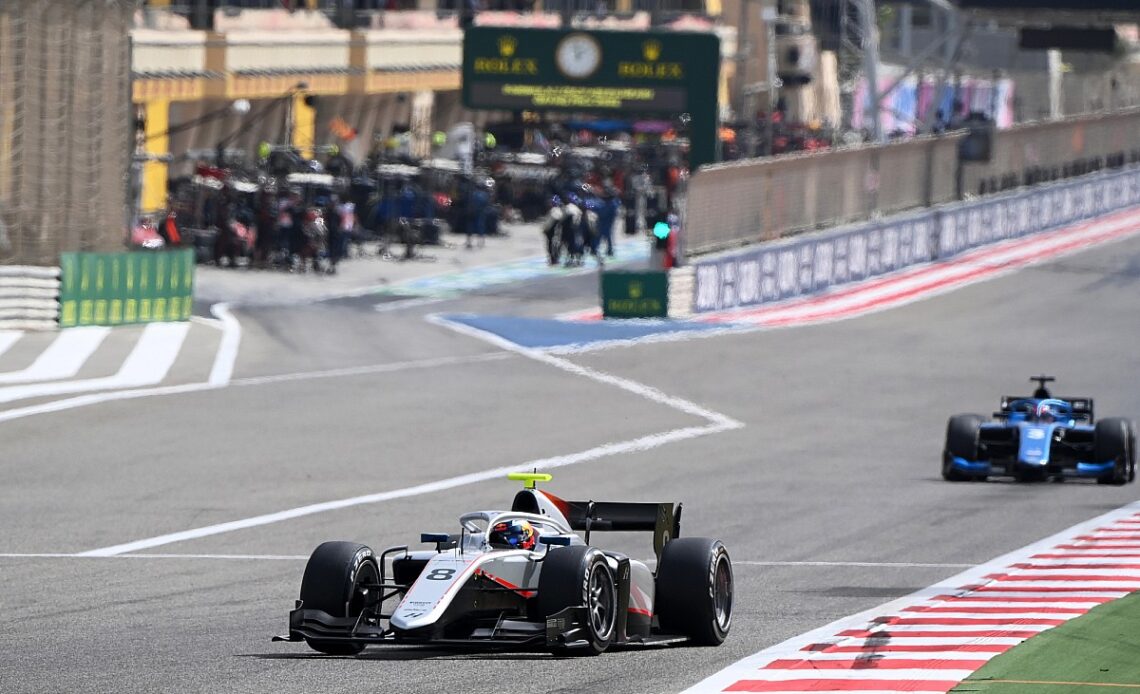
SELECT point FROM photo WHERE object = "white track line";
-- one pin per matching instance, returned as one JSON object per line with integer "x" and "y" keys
{"x": 643, "y": 443}
{"x": 147, "y": 364}
{"x": 401, "y": 304}
{"x": 99, "y": 398}
{"x": 716, "y": 423}
{"x": 62, "y": 359}
{"x": 9, "y": 338}
{"x": 634, "y": 387}
{"x": 57, "y": 555}
{"x": 223, "y": 368}
{"x": 368, "y": 370}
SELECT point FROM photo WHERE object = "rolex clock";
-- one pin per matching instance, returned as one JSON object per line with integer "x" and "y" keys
{"x": 578, "y": 55}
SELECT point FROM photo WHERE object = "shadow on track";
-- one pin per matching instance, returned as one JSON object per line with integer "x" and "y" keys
{"x": 404, "y": 653}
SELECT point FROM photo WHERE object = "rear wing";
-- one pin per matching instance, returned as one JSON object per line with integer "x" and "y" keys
{"x": 663, "y": 519}
{"x": 1082, "y": 406}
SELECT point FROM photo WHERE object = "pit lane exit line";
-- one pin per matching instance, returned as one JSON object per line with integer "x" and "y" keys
{"x": 639, "y": 444}
{"x": 715, "y": 423}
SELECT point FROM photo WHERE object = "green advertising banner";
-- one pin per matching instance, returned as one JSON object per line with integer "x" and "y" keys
{"x": 635, "y": 294}
{"x": 635, "y": 73}
{"x": 130, "y": 287}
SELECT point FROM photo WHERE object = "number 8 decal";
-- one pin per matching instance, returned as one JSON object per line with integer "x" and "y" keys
{"x": 440, "y": 574}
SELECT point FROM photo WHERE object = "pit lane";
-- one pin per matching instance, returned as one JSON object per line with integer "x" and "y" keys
{"x": 833, "y": 477}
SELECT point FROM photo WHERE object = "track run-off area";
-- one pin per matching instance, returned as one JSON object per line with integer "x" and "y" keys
{"x": 156, "y": 541}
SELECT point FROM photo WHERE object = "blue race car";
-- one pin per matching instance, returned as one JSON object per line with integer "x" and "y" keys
{"x": 1040, "y": 437}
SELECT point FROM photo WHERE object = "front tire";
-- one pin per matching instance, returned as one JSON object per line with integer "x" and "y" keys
{"x": 1112, "y": 441}
{"x": 576, "y": 576}
{"x": 962, "y": 440}
{"x": 695, "y": 590}
{"x": 334, "y": 583}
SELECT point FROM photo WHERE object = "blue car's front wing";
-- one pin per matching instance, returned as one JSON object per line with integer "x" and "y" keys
{"x": 985, "y": 468}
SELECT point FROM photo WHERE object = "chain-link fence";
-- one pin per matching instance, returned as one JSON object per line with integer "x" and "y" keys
{"x": 1053, "y": 150}
{"x": 759, "y": 200}
{"x": 66, "y": 123}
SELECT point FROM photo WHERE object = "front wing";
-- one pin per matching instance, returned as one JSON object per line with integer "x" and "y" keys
{"x": 566, "y": 629}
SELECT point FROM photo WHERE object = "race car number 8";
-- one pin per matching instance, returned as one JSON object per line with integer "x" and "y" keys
{"x": 440, "y": 574}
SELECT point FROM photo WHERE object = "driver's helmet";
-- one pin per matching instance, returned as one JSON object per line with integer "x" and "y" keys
{"x": 1045, "y": 413}
{"x": 513, "y": 534}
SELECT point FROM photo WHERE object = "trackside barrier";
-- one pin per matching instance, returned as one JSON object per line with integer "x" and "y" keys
{"x": 681, "y": 292}
{"x": 811, "y": 263}
{"x": 734, "y": 204}
{"x": 131, "y": 287}
{"x": 738, "y": 203}
{"x": 29, "y": 297}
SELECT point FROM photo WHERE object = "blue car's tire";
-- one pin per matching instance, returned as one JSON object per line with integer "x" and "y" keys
{"x": 962, "y": 441}
{"x": 1112, "y": 441}
{"x": 333, "y": 583}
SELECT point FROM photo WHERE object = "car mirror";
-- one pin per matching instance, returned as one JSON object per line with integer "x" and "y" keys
{"x": 434, "y": 537}
{"x": 555, "y": 540}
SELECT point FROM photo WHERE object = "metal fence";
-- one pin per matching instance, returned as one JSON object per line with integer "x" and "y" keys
{"x": 1060, "y": 149}
{"x": 350, "y": 14}
{"x": 66, "y": 124}
{"x": 746, "y": 202}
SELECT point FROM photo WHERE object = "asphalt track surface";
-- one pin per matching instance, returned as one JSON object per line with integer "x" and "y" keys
{"x": 828, "y": 497}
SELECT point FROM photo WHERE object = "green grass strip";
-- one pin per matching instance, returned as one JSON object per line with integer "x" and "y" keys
{"x": 1096, "y": 652}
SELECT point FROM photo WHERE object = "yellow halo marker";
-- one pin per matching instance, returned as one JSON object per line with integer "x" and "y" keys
{"x": 529, "y": 478}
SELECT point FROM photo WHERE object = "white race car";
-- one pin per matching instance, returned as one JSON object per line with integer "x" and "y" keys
{"x": 521, "y": 579}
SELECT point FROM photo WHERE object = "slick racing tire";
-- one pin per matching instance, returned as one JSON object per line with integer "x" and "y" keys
{"x": 1131, "y": 451}
{"x": 1111, "y": 442}
{"x": 695, "y": 590}
{"x": 962, "y": 436}
{"x": 577, "y": 576}
{"x": 333, "y": 583}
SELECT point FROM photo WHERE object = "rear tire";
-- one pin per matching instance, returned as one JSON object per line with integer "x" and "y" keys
{"x": 695, "y": 590}
{"x": 962, "y": 441}
{"x": 1112, "y": 441}
{"x": 332, "y": 584}
{"x": 575, "y": 576}
{"x": 1131, "y": 451}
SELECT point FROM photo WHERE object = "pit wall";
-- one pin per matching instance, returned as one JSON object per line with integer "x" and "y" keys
{"x": 734, "y": 204}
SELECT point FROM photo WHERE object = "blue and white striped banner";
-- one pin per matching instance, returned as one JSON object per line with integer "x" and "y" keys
{"x": 812, "y": 263}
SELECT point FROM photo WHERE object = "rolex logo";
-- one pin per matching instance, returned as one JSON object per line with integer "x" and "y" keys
{"x": 635, "y": 290}
{"x": 651, "y": 50}
{"x": 507, "y": 46}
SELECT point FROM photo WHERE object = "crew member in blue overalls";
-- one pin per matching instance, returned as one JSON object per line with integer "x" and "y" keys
{"x": 607, "y": 216}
